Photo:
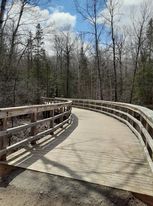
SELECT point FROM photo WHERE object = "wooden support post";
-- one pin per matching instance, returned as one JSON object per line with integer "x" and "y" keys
{"x": 34, "y": 128}
{"x": 69, "y": 109}
{"x": 127, "y": 118}
{"x": 3, "y": 140}
{"x": 61, "y": 118}
{"x": 132, "y": 114}
{"x": 151, "y": 133}
{"x": 147, "y": 128}
{"x": 52, "y": 121}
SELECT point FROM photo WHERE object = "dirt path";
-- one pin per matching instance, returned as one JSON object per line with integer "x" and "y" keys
{"x": 29, "y": 188}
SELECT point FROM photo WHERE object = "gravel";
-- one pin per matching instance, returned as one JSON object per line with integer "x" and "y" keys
{"x": 30, "y": 188}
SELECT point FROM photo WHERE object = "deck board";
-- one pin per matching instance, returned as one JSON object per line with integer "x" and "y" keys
{"x": 95, "y": 148}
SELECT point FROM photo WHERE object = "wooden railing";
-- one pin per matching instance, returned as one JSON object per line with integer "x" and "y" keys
{"x": 138, "y": 119}
{"x": 54, "y": 114}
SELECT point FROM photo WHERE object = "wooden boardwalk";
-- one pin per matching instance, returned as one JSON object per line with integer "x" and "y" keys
{"x": 95, "y": 148}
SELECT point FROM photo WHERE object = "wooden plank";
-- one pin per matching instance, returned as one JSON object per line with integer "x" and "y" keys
{"x": 96, "y": 148}
{"x": 61, "y": 118}
{"x": 145, "y": 112}
{"x": 34, "y": 128}
{"x": 3, "y": 140}
{"x": 52, "y": 120}
{"x": 129, "y": 116}
{"x": 6, "y": 113}
{"x": 31, "y": 138}
{"x": 17, "y": 111}
{"x": 26, "y": 126}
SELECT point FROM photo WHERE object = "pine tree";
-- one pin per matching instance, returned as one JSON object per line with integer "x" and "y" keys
{"x": 38, "y": 54}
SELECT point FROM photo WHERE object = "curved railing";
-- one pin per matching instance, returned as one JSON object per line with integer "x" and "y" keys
{"x": 54, "y": 114}
{"x": 139, "y": 119}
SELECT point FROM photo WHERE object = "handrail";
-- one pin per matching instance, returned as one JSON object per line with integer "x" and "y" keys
{"x": 47, "y": 113}
{"x": 139, "y": 119}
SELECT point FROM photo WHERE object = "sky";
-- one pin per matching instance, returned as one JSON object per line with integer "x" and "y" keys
{"x": 65, "y": 6}
{"x": 60, "y": 14}
{"x": 64, "y": 11}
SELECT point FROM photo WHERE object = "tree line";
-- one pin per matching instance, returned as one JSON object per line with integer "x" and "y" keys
{"x": 108, "y": 62}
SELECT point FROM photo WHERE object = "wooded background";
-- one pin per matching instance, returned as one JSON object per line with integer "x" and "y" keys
{"x": 84, "y": 64}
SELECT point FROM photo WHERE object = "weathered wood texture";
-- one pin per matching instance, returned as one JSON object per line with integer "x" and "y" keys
{"x": 62, "y": 109}
{"x": 139, "y": 119}
{"x": 94, "y": 148}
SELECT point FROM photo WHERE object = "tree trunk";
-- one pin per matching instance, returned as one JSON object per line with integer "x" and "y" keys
{"x": 114, "y": 61}
{"x": 67, "y": 74}
{"x": 2, "y": 11}
{"x": 97, "y": 53}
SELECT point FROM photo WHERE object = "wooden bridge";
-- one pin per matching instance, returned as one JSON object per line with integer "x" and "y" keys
{"x": 102, "y": 142}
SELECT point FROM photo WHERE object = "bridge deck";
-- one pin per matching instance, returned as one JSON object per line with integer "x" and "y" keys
{"x": 95, "y": 148}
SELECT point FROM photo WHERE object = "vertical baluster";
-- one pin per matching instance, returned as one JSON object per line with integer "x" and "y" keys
{"x": 3, "y": 140}
{"x": 61, "y": 118}
{"x": 52, "y": 121}
{"x": 34, "y": 128}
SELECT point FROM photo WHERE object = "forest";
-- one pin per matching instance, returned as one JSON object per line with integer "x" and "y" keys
{"x": 109, "y": 60}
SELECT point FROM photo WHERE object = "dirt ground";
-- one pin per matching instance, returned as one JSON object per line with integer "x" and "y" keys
{"x": 29, "y": 188}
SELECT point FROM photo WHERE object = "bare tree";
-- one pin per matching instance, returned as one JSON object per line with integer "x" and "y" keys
{"x": 2, "y": 12}
{"x": 139, "y": 28}
{"x": 66, "y": 43}
{"x": 91, "y": 13}
{"x": 120, "y": 44}
{"x": 112, "y": 11}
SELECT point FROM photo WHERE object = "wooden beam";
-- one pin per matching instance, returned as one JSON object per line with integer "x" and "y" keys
{"x": 34, "y": 128}
{"x": 143, "y": 126}
{"x": 14, "y": 130}
{"x": 31, "y": 139}
{"x": 17, "y": 111}
{"x": 52, "y": 120}
{"x": 3, "y": 140}
{"x": 61, "y": 118}
{"x": 33, "y": 110}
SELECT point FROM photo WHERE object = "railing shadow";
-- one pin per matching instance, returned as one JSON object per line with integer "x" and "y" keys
{"x": 48, "y": 144}
{"x": 78, "y": 191}
{"x": 87, "y": 187}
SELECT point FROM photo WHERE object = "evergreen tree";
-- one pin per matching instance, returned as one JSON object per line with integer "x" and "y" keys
{"x": 144, "y": 79}
{"x": 38, "y": 55}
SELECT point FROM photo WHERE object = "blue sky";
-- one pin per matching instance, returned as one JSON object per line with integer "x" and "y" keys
{"x": 63, "y": 12}
{"x": 57, "y": 15}
{"x": 66, "y": 6}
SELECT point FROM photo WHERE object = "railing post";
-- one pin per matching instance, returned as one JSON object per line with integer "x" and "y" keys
{"x": 52, "y": 121}
{"x": 3, "y": 140}
{"x": 34, "y": 128}
{"x": 69, "y": 109}
{"x": 61, "y": 118}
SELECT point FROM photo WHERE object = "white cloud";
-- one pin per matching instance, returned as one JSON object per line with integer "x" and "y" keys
{"x": 62, "y": 20}
{"x": 50, "y": 21}
{"x": 127, "y": 12}
{"x": 132, "y": 2}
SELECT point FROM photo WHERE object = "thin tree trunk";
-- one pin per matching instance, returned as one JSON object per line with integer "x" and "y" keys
{"x": 97, "y": 53}
{"x": 114, "y": 60}
{"x": 2, "y": 11}
{"x": 121, "y": 74}
{"x": 14, "y": 35}
{"x": 134, "y": 74}
{"x": 133, "y": 80}
{"x": 67, "y": 74}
